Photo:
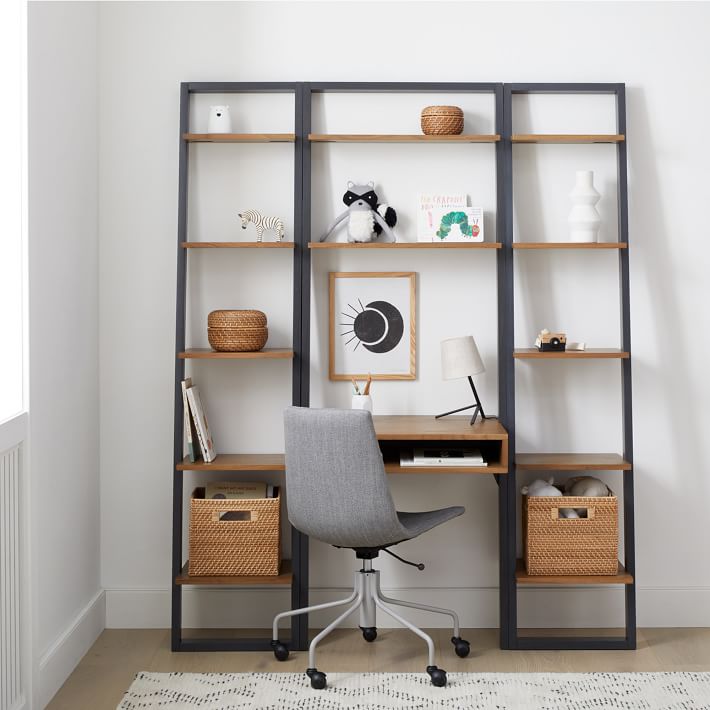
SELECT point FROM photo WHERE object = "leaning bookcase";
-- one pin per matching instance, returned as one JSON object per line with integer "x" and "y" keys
{"x": 512, "y": 576}
{"x": 290, "y": 575}
{"x": 566, "y": 463}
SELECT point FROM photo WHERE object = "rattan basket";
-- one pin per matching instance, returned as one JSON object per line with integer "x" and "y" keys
{"x": 222, "y": 546}
{"x": 237, "y": 339}
{"x": 570, "y": 546}
{"x": 442, "y": 120}
{"x": 236, "y": 319}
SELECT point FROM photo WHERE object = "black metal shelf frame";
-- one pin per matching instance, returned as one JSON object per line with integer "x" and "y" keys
{"x": 303, "y": 94}
{"x": 507, "y": 367}
{"x": 299, "y": 544}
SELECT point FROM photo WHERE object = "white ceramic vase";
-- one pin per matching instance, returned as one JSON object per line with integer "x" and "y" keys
{"x": 219, "y": 120}
{"x": 362, "y": 401}
{"x": 584, "y": 220}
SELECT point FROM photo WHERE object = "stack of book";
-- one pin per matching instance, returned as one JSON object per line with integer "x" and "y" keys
{"x": 197, "y": 430}
{"x": 240, "y": 491}
{"x": 442, "y": 457}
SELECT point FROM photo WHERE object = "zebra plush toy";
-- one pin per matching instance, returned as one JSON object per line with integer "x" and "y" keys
{"x": 367, "y": 219}
{"x": 262, "y": 224}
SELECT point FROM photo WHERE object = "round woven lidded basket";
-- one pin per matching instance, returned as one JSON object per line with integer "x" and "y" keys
{"x": 237, "y": 330}
{"x": 236, "y": 319}
{"x": 442, "y": 121}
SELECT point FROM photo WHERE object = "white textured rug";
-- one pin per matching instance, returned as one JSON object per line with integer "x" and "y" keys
{"x": 474, "y": 691}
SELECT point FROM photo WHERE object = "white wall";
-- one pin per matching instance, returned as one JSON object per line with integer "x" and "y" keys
{"x": 63, "y": 311}
{"x": 658, "y": 49}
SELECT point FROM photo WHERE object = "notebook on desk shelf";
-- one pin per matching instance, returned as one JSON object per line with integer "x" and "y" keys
{"x": 442, "y": 457}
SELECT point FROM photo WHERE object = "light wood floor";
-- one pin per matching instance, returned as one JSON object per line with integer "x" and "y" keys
{"x": 102, "y": 676}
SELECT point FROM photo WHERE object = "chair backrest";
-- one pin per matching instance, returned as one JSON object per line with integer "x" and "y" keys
{"x": 336, "y": 486}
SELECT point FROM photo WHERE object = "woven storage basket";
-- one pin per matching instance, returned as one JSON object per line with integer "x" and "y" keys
{"x": 575, "y": 546}
{"x": 442, "y": 120}
{"x": 237, "y": 339}
{"x": 236, "y": 319}
{"x": 234, "y": 547}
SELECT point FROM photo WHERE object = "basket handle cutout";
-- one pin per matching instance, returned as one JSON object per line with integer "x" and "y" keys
{"x": 555, "y": 513}
{"x": 232, "y": 516}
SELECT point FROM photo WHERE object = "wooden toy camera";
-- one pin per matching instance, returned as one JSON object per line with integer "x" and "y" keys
{"x": 550, "y": 342}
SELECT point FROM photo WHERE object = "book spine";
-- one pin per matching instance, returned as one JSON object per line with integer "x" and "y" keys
{"x": 196, "y": 417}
{"x": 187, "y": 422}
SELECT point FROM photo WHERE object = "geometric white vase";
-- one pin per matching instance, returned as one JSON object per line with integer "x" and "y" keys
{"x": 219, "y": 120}
{"x": 584, "y": 220}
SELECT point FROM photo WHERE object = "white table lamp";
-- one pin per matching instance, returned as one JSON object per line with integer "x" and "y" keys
{"x": 460, "y": 358}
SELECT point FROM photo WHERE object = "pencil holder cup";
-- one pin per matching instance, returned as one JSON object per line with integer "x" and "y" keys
{"x": 362, "y": 401}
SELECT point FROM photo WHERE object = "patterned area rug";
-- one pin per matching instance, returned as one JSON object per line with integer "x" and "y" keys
{"x": 474, "y": 691}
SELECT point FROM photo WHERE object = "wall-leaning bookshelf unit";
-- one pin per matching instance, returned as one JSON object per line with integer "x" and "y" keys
{"x": 290, "y": 573}
{"x": 294, "y": 573}
{"x": 511, "y": 358}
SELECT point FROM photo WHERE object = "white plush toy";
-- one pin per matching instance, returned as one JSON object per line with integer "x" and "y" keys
{"x": 586, "y": 486}
{"x": 546, "y": 488}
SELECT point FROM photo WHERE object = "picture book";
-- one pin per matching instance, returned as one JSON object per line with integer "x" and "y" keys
{"x": 427, "y": 203}
{"x": 189, "y": 425}
{"x": 203, "y": 429}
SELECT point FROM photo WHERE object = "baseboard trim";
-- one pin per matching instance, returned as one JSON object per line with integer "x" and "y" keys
{"x": 61, "y": 658}
{"x": 548, "y": 607}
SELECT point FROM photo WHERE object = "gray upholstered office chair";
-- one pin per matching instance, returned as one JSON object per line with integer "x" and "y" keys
{"x": 337, "y": 492}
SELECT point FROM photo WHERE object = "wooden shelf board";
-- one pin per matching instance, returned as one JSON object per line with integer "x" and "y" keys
{"x": 493, "y": 467}
{"x": 237, "y": 245}
{"x": 588, "y": 354}
{"x": 265, "y": 354}
{"x": 567, "y": 138}
{"x": 571, "y": 462}
{"x": 426, "y": 428}
{"x": 239, "y": 137}
{"x": 284, "y": 578}
{"x": 570, "y": 245}
{"x": 400, "y": 138}
{"x": 236, "y": 462}
{"x": 405, "y": 245}
{"x": 522, "y": 577}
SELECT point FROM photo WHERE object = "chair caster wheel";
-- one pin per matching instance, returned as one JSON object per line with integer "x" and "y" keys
{"x": 317, "y": 678}
{"x": 437, "y": 675}
{"x": 462, "y": 647}
{"x": 369, "y": 633}
{"x": 280, "y": 650}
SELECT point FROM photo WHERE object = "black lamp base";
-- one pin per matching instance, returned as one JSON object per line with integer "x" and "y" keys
{"x": 477, "y": 407}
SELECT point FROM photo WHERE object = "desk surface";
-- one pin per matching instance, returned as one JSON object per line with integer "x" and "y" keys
{"x": 422, "y": 428}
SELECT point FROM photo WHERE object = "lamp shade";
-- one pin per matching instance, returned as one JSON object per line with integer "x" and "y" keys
{"x": 460, "y": 358}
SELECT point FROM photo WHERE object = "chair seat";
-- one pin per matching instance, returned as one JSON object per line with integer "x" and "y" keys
{"x": 418, "y": 523}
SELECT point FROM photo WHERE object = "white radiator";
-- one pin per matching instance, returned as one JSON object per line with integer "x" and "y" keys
{"x": 11, "y": 675}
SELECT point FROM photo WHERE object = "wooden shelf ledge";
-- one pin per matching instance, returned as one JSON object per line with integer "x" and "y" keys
{"x": 567, "y": 138}
{"x": 493, "y": 467}
{"x": 522, "y": 577}
{"x": 400, "y": 138}
{"x": 588, "y": 354}
{"x": 239, "y": 137}
{"x": 265, "y": 354}
{"x": 405, "y": 245}
{"x": 570, "y": 245}
{"x": 236, "y": 462}
{"x": 426, "y": 428}
{"x": 284, "y": 578}
{"x": 571, "y": 462}
{"x": 237, "y": 245}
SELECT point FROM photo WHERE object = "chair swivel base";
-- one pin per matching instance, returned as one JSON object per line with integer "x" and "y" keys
{"x": 367, "y": 597}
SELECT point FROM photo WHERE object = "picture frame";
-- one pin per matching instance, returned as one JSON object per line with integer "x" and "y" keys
{"x": 372, "y": 325}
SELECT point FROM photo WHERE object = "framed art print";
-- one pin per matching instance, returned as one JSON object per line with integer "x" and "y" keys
{"x": 372, "y": 325}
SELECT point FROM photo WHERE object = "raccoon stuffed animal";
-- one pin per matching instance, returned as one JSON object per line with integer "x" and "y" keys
{"x": 366, "y": 217}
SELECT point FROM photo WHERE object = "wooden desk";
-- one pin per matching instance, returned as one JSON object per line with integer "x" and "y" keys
{"x": 401, "y": 432}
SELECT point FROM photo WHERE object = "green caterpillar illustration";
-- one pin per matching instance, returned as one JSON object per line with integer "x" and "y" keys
{"x": 451, "y": 218}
